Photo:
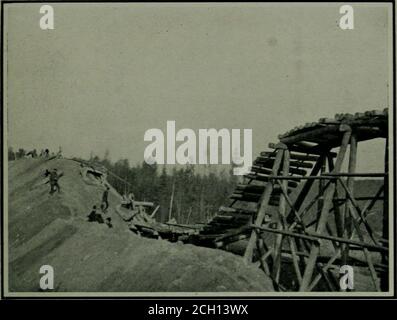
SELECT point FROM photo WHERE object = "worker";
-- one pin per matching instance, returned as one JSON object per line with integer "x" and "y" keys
{"x": 109, "y": 222}
{"x": 32, "y": 153}
{"x": 54, "y": 186}
{"x": 46, "y": 153}
{"x": 105, "y": 201}
{"x": 94, "y": 216}
{"x": 131, "y": 199}
{"x": 59, "y": 154}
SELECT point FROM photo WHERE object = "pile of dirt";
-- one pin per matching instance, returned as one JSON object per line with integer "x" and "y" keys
{"x": 86, "y": 256}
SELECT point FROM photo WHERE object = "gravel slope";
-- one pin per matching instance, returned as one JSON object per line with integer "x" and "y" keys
{"x": 90, "y": 257}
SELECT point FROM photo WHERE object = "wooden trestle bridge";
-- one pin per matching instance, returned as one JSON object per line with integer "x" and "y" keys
{"x": 299, "y": 211}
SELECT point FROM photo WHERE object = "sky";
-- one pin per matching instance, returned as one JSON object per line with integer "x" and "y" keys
{"x": 109, "y": 72}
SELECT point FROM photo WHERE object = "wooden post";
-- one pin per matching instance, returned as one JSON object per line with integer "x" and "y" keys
{"x": 321, "y": 187}
{"x": 339, "y": 216}
{"x": 263, "y": 204}
{"x": 328, "y": 196}
{"x": 348, "y": 228}
{"x": 282, "y": 211}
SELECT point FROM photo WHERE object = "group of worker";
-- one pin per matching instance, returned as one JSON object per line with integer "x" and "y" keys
{"x": 95, "y": 216}
{"x": 44, "y": 153}
{"x": 53, "y": 176}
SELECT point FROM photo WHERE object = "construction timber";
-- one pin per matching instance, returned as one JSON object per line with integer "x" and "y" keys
{"x": 287, "y": 229}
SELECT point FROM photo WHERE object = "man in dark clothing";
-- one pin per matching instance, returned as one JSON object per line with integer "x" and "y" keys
{"x": 94, "y": 216}
{"x": 105, "y": 201}
{"x": 54, "y": 186}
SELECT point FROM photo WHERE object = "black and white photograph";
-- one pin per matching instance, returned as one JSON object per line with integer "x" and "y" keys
{"x": 193, "y": 149}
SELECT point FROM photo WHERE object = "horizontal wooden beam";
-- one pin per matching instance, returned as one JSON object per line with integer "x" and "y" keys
{"x": 265, "y": 178}
{"x": 308, "y": 135}
{"x": 312, "y": 236}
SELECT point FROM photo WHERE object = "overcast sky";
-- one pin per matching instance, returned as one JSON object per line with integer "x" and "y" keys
{"x": 109, "y": 72}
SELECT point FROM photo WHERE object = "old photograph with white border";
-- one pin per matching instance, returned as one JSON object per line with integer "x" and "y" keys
{"x": 198, "y": 149}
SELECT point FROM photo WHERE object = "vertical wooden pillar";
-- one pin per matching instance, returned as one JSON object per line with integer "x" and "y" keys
{"x": 282, "y": 212}
{"x": 328, "y": 197}
{"x": 321, "y": 189}
{"x": 348, "y": 226}
{"x": 264, "y": 203}
{"x": 339, "y": 215}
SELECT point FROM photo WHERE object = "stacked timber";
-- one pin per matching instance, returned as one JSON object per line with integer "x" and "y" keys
{"x": 307, "y": 147}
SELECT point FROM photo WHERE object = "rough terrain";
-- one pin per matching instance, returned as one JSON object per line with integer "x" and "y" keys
{"x": 90, "y": 257}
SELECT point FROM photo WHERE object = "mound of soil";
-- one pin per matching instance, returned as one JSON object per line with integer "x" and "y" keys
{"x": 86, "y": 256}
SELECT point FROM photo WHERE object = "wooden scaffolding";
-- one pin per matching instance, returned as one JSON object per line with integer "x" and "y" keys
{"x": 318, "y": 222}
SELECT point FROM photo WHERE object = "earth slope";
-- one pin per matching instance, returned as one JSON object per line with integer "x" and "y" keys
{"x": 90, "y": 257}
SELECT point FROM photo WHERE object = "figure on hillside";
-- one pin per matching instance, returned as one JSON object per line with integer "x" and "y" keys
{"x": 94, "y": 216}
{"x": 32, "y": 153}
{"x": 54, "y": 186}
{"x": 47, "y": 173}
{"x": 108, "y": 222}
{"x": 59, "y": 154}
{"x": 105, "y": 201}
{"x": 46, "y": 153}
{"x": 131, "y": 199}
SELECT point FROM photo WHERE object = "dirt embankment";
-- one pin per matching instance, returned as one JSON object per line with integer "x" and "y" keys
{"x": 89, "y": 257}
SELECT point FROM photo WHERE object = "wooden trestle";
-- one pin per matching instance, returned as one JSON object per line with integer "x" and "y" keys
{"x": 285, "y": 183}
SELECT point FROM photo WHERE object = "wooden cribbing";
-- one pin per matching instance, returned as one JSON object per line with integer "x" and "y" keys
{"x": 302, "y": 156}
{"x": 328, "y": 195}
{"x": 311, "y": 135}
{"x": 306, "y": 188}
{"x": 263, "y": 204}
